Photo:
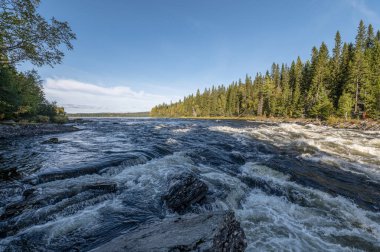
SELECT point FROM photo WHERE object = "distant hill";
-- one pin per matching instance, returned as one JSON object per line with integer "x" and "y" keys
{"x": 135, "y": 114}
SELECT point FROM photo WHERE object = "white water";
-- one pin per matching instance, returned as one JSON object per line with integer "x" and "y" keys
{"x": 360, "y": 148}
{"x": 276, "y": 213}
{"x": 275, "y": 224}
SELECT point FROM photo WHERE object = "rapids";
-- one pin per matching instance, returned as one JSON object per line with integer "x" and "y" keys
{"x": 292, "y": 187}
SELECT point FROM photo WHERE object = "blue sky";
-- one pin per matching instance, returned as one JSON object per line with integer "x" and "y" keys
{"x": 131, "y": 55}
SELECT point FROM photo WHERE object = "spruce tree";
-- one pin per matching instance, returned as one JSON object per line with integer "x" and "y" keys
{"x": 318, "y": 98}
{"x": 336, "y": 68}
{"x": 297, "y": 104}
{"x": 358, "y": 73}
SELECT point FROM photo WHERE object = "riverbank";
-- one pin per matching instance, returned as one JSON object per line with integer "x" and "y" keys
{"x": 22, "y": 130}
{"x": 337, "y": 123}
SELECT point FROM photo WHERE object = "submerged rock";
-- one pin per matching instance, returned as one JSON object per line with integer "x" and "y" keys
{"x": 9, "y": 174}
{"x": 218, "y": 231}
{"x": 185, "y": 190}
{"x": 33, "y": 199}
{"x": 53, "y": 140}
{"x": 51, "y": 202}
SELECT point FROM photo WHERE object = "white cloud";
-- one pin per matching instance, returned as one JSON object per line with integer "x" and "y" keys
{"x": 78, "y": 97}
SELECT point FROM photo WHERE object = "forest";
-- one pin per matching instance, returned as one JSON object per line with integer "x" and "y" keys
{"x": 22, "y": 98}
{"x": 26, "y": 36}
{"x": 345, "y": 84}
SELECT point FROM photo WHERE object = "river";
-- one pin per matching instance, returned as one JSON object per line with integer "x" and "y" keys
{"x": 292, "y": 187}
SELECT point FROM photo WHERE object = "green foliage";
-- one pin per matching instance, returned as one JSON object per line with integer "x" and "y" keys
{"x": 42, "y": 119}
{"x": 322, "y": 108}
{"x": 59, "y": 119}
{"x": 345, "y": 106}
{"x": 26, "y": 36}
{"x": 22, "y": 97}
{"x": 346, "y": 84}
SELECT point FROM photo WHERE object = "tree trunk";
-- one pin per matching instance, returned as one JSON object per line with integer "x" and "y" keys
{"x": 356, "y": 95}
{"x": 260, "y": 107}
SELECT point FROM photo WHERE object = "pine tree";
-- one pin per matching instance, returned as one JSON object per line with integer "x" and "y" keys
{"x": 358, "y": 72}
{"x": 297, "y": 104}
{"x": 336, "y": 68}
{"x": 345, "y": 106}
{"x": 370, "y": 39}
{"x": 373, "y": 88}
{"x": 260, "y": 94}
{"x": 285, "y": 94}
{"x": 269, "y": 97}
{"x": 317, "y": 99}
{"x": 360, "y": 40}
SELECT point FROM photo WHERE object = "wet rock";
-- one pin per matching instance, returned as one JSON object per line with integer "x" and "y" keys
{"x": 50, "y": 204}
{"x": 88, "y": 168}
{"x": 230, "y": 236}
{"x": 9, "y": 174}
{"x": 32, "y": 199}
{"x": 237, "y": 157}
{"x": 53, "y": 140}
{"x": 362, "y": 190}
{"x": 218, "y": 231}
{"x": 185, "y": 189}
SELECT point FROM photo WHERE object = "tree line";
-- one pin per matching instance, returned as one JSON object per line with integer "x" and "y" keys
{"x": 26, "y": 36}
{"x": 344, "y": 84}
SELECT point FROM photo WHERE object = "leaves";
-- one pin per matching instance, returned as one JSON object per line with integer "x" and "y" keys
{"x": 26, "y": 36}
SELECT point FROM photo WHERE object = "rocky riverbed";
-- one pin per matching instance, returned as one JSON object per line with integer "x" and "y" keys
{"x": 190, "y": 185}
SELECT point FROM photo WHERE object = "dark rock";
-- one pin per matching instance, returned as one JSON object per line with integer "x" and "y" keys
{"x": 9, "y": 174}
{"x": 230, "y": 236}
{"x": 218, "y": 231}
{"x": 363, "y": 191}
{"x": 34, "y": 200}
{"x": 27, "y": 193}
{"x": 52, "y": 140}
{"x": 80, "y": 170}
{"x": 59, "y": 201}
{"x": 238, "y": 158}
{"x": 185, "y": 189}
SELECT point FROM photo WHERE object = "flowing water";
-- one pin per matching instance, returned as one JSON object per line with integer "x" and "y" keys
{"x": 292, "y": 187}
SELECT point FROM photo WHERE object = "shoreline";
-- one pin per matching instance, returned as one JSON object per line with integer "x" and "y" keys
{"x": 15, "y": 130}
{"x": 337, "y": 123}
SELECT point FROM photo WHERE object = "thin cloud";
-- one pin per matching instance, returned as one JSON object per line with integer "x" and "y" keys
{"x": 78, "y": 97}
{"x": 362, "y": 7}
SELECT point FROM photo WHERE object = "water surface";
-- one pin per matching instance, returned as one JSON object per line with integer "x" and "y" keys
{"x": 292, "y": 187}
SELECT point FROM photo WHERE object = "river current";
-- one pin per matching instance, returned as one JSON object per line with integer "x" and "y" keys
{"x": 292, "y": 187}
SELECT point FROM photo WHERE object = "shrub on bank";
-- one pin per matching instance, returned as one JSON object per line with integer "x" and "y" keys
{"x": 42, "y": 119}
{"x": 60, "y": 119}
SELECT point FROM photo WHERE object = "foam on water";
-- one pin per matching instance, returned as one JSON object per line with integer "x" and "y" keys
{"x": 349, "y": 145}
{"x": 325, "y": 223}
{"x": 277, "y": 213}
